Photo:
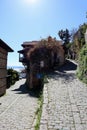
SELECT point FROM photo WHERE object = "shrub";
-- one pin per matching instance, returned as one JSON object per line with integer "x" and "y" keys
{"x": 14, "y": 76}
{"x": 82, "y": 67}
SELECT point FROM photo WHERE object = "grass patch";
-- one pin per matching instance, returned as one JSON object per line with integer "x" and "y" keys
{"x": 46, "y": 79}
{"x": 39, "y": 111}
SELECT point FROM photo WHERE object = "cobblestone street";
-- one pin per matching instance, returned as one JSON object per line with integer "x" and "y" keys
{"x": 17, "y": 108}
{"x": 65, "y": 101}
{"x": 64, "y": 105}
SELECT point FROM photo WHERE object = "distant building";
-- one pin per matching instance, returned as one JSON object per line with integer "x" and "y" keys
{"x": 4, "y": 49}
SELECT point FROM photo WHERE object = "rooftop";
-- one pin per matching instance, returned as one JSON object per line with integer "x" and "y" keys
{"x": 27, "y": 43}
{"x": 5, "y": 46}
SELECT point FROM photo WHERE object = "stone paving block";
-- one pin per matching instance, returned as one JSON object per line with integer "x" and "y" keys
{"x": 74, "y": 108}
{"x": 43, "y": 127}
{"x": 79, "y": 127}
{"x": 77, "y": 119}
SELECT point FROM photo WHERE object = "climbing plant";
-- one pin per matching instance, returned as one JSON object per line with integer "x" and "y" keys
{"x": 82, "y": 67}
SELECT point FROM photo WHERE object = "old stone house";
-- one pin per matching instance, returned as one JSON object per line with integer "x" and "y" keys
{"x": 4, "y": 49}
{"x": 56, "y": 51}
{"x": 23, "y": 54}
{"x": 38, "y": 56}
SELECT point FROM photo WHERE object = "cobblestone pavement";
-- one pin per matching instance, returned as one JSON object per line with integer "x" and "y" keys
{"x": 65, "y": 101}
{"x": 17, "y": 108}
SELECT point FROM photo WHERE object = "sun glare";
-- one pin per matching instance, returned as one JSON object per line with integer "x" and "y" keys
{"x": 31, "y": 1}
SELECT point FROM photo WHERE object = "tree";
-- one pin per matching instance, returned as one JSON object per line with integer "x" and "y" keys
{"x": 65, "y": 37}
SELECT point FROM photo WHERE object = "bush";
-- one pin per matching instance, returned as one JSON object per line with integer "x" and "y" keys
{"x": 82, "y": 67}
{"x": 14, "y": 76}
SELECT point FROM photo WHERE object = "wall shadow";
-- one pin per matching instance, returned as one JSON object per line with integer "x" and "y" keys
{"x": 59, "y": 72}
{"x": 63, "y": 71}
{"x": 68, "y": 66}
{"x": 31, "y": 92}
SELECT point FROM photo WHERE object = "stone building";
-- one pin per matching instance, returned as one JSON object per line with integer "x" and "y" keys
{"x": 40, "y": 56}
{"x": 4, "y": 49}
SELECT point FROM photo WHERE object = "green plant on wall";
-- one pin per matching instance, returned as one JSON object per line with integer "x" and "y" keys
{"x": 82, "y": 67}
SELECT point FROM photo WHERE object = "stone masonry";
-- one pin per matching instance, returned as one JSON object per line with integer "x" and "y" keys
{"x": 4, "y": 49}
{"x": 3, "y": 70}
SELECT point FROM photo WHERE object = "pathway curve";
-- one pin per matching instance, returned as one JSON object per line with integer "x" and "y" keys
{"x": 65, "y": 101}
{"x": 17, "y": 108}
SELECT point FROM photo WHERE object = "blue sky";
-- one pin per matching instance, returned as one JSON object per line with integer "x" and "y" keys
{"x": 24, "y": 20}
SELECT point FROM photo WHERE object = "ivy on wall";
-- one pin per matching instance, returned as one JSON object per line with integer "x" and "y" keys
{"x": 82, "y": 67}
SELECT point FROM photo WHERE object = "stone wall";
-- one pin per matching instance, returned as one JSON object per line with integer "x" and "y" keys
{"x": 3, "y": 70}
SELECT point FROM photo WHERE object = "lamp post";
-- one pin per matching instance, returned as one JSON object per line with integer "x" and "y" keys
{"x": 86, "y": 36}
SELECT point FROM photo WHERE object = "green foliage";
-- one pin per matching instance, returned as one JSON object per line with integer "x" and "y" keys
{"x": 14, "y": 76}
{"x": 82, "y": 67}
{"x": 81, "y": 31}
